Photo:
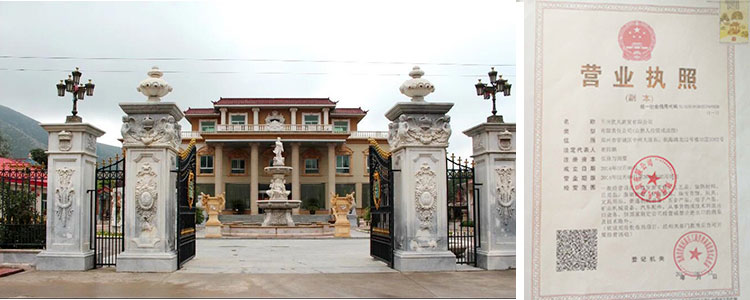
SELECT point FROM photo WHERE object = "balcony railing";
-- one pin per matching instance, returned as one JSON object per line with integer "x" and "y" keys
{"x": 286, "y": 128}
{"x": 191, "y": 135}
{"x": 368, "y": 134}
{"x": 274, "y": 127}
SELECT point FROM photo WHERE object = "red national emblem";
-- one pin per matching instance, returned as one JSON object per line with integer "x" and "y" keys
{"x": 636, "y": 39}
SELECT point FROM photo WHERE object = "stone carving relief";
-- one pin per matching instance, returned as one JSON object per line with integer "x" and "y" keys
{"x": 419, "y": 130}
{"x": 137, "y": 130}
{"x": 425, "y": 195}
{"x": 505, "y": 194}
{"x": 90, "y": 143}
{"x": 504, "y": 140}
{"x": 275, "y": 121}
{"x": 146, "y": 196}
{"x": 65, "y": 139}
{"x": 64, "y": 195}
{"x": 478, "y": 143}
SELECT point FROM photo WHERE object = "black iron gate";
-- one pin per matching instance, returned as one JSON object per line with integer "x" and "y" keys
{"x": 185, "y": 208}
{"x": 107, "y": 212}
{"x": 381, "y": 204}
{"x": 463, "y": 211}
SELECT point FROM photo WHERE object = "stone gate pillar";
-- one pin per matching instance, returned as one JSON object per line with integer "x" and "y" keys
{"x": 494, "y": 147}
{"x": 71, "y": 169}
{"x": 151, "y": 137}
{"x": 418, "y": 136}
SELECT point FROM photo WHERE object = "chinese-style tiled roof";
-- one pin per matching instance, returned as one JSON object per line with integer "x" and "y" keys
{"x": 348, "y": 111}
{"x": 200, "y": 111}
{"x": 275, "y": 101}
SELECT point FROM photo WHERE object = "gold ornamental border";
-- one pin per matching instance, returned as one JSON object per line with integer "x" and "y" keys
{"x": 376, "y": 189}
{"x": 383, "y": 153}
{"x": 185, "y": 152}
{"x": 191, "y": 189}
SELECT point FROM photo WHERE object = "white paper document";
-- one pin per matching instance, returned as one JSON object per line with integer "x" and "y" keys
{"x": 634, "y": 179}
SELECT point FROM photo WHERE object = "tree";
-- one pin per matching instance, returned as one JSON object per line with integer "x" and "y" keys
{"x": 4, "y": 146}
{"x": 39, "y": 156}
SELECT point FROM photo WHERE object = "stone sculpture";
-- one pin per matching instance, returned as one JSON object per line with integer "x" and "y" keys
{"x": 341, "y": 207}
{"x": 214, "y": 206}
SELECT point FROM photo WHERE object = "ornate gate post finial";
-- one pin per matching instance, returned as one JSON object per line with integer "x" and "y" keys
{"x": 416, "y": 87}
{"x": 154, "y": 87}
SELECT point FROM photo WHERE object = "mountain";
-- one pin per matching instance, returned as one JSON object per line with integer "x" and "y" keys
{"x": 24, "y": 134}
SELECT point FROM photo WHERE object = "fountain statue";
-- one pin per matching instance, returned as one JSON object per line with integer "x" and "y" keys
{"x": 278, "y": 208}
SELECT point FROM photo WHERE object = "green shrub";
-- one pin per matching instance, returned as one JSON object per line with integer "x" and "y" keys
{"x": 311, "y": 204}
{"x": 199, "y": 215}
{"x": 367, "y": 214}
{"x": 467, "y": 223}
{"x": 238, "y": 205}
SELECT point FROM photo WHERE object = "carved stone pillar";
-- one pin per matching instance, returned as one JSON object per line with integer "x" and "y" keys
{"x": 494, "y": 147}
{"x": 325, "y": 116}
{"x": 151, "y": 135}
{"x": 418, "y": 136}
{"x": 295, "y": 175}
{"x": 254, "y": 178}
{"x": 72, "y": 164}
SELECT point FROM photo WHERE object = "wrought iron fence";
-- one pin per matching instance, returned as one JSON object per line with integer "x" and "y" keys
{"x": 463, "y": 211}
{"x": 107, "y": 212}
{"x": 23, "y": 208}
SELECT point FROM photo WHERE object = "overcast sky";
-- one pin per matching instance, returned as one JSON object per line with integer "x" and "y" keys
{"x": 453, "y": 43}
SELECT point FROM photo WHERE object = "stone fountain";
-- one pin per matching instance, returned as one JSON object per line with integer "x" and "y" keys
{"x": 278, "y": 208}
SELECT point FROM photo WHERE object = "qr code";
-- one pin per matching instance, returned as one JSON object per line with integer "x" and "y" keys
{"x": 577, "y": 250}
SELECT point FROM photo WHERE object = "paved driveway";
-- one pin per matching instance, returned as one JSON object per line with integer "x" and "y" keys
{"x": 272, "y": 256}
{"x": 328, "y": 268}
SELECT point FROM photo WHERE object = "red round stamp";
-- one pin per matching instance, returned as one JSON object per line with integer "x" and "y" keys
{"x": 637, "y": 40}
{"x": 653, "y": 179}
{"x": 695, "y": 254}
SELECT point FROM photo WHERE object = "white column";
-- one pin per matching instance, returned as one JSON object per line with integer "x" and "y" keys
{"x": 150, "y": 186}
{"x": 358, "y": 196}
{"x": 254, "y": 178}
{"x": 71, "y": 168}
{"x": 223, "y": 111}
{"x": 325, "y": 116}
{"x": 420, "y": 188}
{"x": 293, "y": 110}
{"x": 255, "y": 118}
{"x": 294, "y": 115}
{"x": 218, "y": 169}
{"x": 495, "y": 158}
{"x": 295, "y": 175}
{"x": 331, "y": 183}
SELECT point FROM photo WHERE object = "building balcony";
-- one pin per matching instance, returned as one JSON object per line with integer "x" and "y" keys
{"x": 285, "y": 128}
{"x": 274, "y": 128}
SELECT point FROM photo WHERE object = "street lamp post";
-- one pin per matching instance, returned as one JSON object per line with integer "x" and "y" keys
{"x": 497, "y": 85}
{"x": 78, "y": 91}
